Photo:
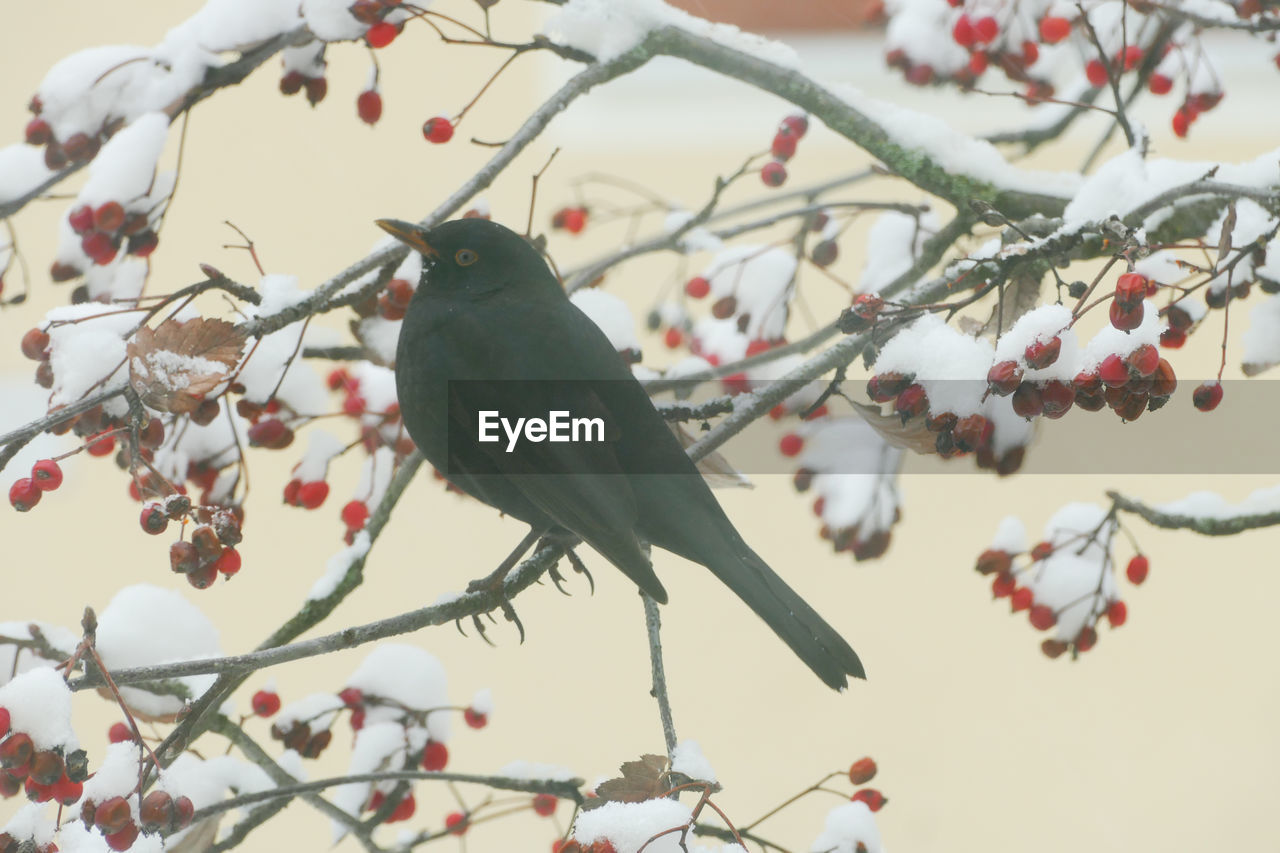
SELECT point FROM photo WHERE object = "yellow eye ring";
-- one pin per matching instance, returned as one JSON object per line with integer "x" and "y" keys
{"x": 466, "y": 257}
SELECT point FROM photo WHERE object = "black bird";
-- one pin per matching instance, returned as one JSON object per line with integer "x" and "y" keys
{"x": 487, "y": 311}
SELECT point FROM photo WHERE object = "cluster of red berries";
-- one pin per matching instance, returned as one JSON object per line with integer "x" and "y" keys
{"x": 572, "y": 218}
{"x": 783, "y": 148}
{"x": 211, "y": 549}
{"x": 104, "y": 228}
{"x": 295, "y": 81}
{"x": 1004, "y": 584}
{"x": 861, "y": 772}
{"x": 77, "y": 148}
{"x": 45, "y": 477}
{"x": 160, "y": 811}
{"x": 723, "y": 308}
{"x": 44, "y": 774}
{"x": 979, "y": 36}
{"x": 864, "y": 545}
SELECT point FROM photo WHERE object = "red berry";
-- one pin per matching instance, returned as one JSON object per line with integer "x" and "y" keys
{"x": 119, "y": 733}
{"x": 697, "y": 287}
{"x": 1113, "y": 371}
{"x": 1027, "y": 401}
{"x": 1096, "y": 72}
{"x": 108, "y": 217}
{"x": 311, "y": 495}
{"x": 101, "y": 444}
{"x": 797, "y": 125}
{"x": 265, "y": 703}
{"x": 142, "y": 244}
{"x": 1159, "y": 84}
{"x": 978, "y": 63}
{"x": 1087, "y": 639}
{"x": 544, "y": 804}
{"x": 266, "y": 432}
{"x": 291, "y": 83}
{"x": 437, "y": 130}
{"x": 435, "y": 756}
{"x": 575, "y": 219}
{"x": 790, "y": 444}
{"x": 1053, "y": 648}
{"x": 1206, "y": 398}
{"x": 1030, "y": 53}
{"x": 1181, "y": 122}
{"x": 475, "y": 719}
{"x": 81, "y": 219}
{"x": 962, "y": 31}
{"x": 986, "y": 29}
{"x": 1131, "y": 57}
{"x": 1144, "y": 360}
{"x": 153, "y": 519}
{"x": 403, "y": 810}
{"x": 784, "y": 146}
{"x": 355, "y": 514}
{"x": 1137, "y": 569}
{"x": 381, "y": 34}
{"x": 774, "y": 174}
{"x": 1041, "y": 354}
{"x": 920, "y": 75}
{"x": 1003, "y": 585}
{"x": 317, "y": 88}
{"x": 35, "y": 345}
{"x": 1117, "y": 613}
{"x": 122, "y": 839}
{"x": 183, "y": 810}
{"x": 862, "y": 771}
{"x": 24, "y": 494}
{"x": 99, "y": 246}
{"x": 47, "y": 475}
{"x": 38, "y": 132}
{"x": 112, "y": 815}
{"x": 229, "y": 562}
{"x": 824, "y": 253}
{"x": 1054, "y": 29}
{"x": 912, "y": 402}
{"x": 1173, "y": 338}
{"x": 1042, "y": 617}
{"x": 369, "y": 106}
{"x": 4, "y": 721}
{"x": 1126, "y": 319}
{"x": 1021, "y": 599}
{"x": 1131, "y": 288}
{"x": 455, "y": 822}
{"x": 673, "y": 338}
{"x": 874, "y": 799}
{"x": 723, "y": 308}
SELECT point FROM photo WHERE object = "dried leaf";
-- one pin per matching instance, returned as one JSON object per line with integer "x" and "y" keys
{"x": 913, "y": 435}
{"x": 198, "y": 838}
{"x": 644, "y": 779}
{"x": 715, "y": 469}
{"x": 173, "y": 366}
{"x": 1224, "y": 236}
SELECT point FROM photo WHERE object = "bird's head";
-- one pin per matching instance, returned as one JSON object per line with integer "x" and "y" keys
{"x": 471, "y": 256}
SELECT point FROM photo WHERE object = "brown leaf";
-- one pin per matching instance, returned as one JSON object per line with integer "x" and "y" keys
{"x": 913, "y": 435}
{"x": 173, "y": 366}
{"x": 643, "y": 779}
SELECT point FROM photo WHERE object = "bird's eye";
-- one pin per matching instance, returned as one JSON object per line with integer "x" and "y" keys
{"x": 466, "y": 257}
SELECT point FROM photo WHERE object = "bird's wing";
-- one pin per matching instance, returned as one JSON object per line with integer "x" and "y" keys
{"x": 578, "y": 484}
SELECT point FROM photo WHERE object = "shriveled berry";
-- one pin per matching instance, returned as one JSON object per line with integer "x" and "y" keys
{"x": 912, "y": 402}
{"x": 825, "y": 252}
{"x": 972, "y": 432}
{"x": 723, "y": 308}
{"x": 183, "y": 557}
{"x": 1053, "y": 648}
{"x": 994, "y": 560}
{"x": 291, "y": 83}
{"x": 317, "y": 88}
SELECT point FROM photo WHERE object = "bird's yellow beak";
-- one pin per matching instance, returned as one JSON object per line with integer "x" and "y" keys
{"x": 413, "y": 236}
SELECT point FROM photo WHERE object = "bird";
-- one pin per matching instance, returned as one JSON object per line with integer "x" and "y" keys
{"x": 490, "y": 329}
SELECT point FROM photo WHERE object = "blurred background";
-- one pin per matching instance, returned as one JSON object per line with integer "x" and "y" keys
{"x": 1163, "y": 736}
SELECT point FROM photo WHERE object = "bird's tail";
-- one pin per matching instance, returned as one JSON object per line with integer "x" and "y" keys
{"x": 798, "y": 625}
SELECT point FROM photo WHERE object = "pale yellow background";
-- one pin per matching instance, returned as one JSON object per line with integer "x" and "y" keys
{"x": 1164, "y": 737}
